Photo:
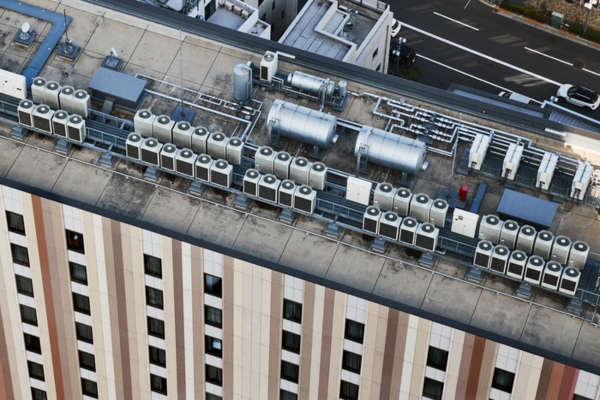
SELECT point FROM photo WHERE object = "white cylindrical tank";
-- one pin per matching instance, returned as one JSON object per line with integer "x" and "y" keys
{"x": 242, "y": 83}
{"x": 343, "y": 86}
{"x": 310, "y": 83}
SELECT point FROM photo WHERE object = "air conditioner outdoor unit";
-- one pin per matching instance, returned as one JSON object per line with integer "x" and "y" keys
{"x": 52, "y": 94}
{"x": 167, "y": 156}
{"x": 300, "y": 171}
{"x": 483, "y": 254}
{"x": 245, "y": 14}
{"x": 268, "y": 66}
{"x": 25, "y": 111}
{"x": 581, "y": 180}
{"x": 500, "y": 257}
{"x": 560, "y": 249}
{"x": 281, "y": 165}
{"x": 151, "y": 151}
{"x": 546, "y": 171}
{"x": 509, "y": 233}
{"x": 478, "y": 151}
{"x": 228, "y": 6}
{"x": 490, "y": 228}
{"x": 59, "y": 123}
{"x": 76, "y": 128}
{"x": 185, "y": 160}
{"x": 511, "y": 162}
{"x": 371, "y": 220}
{"x": 42, "y": 118}
{"x": 221, "y": 173}
{"x": 251, "y": 179}
{"x": 317, "y": 176}
{"x": 305, "y": 199}
{"x": 133, "y": 145}
{"x": 569, "y": 281}
{"x": 389, "y": 225}
{"x": 286, "y": 193}
{"x": 235, "y": 150}
{"x": 264, "y": 159}
{"x": 203, "y": 164}
{"x": 420, "y": 206}
{"x": 199, "y": 138}
{"x": 408, "y": 230}
{"x": 438, "y": 212}
{"x": 216, "y": 145}
{"x": 383, "y": 196}
{"x": 82, "y": 103}
{"x": 38, "y": 90}
{"x": 268, "y": 187}
{"x": 402, "y": 202}
{"x": 543, "y": 244}
{"x": 534, "y": 269}
{"x": 578, "y": 255}
{"x": 526, "y": 239}
{"x": 182, "y": 135}
{"x": 143, "y": 122}
{"x": 516, "y": 264}
{"x": 427, "y": 236}
{"x": 162, "y": 128}
{"x": 552, "y": 274}
{"x": 66, "y": 96}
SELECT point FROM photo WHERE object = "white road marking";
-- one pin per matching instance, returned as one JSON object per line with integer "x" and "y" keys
{"x": 468, "y": 2}
{"x": 453, "y": 20}
{"x": 559, "y": 60}
{"x": 477, "y": 53}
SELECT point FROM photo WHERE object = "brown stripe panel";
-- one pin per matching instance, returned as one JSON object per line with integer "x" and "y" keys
{"x": 198, "y": 318}
{"x": 179, "y": 317}
{"x": 475, "y": 368}
{"x": 6, "y": 388}
{"x": 275, "y": 334}
{"x": 544, "y": 382}
{"x": 465, "y": 365}
{"x": 555, "y": 381}
{"x": 308, "y": 309}
{"x": 569, "y": 380}
{"x": 388, "y": 355}
{"x": 326, "y": 343}
{"x": 398, "y": 362}
{"x": 227, "y": 318}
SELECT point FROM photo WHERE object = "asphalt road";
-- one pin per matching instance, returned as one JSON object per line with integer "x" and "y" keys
{"x": 466, "y": 42}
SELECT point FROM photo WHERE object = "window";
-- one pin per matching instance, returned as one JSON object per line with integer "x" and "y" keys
{"x": 213, "y": 346}
{"x": 36, "y": 371}
{"x": 156, "y": 327}
{"x": 213, "y": 316}
{"x": 355, "y": 331}
{"x": 81, "y": 303}
{"x": 264, "y": 16}
{"x": 158, "y": 356}
{"x": 578, "y": 397}
{"x": 291, "y": 342}
{"x": 158, "y": 384}
{"x": 378, "y": 68}
{"x": 348, "y": 391}
{"x": 285, "y": 395}
{"x": 289, "y": 371}
{"x": 210, "y": 396}
{"x": 376, "y": 52}
{"x": 75, "y": 241}
{"x": 15, "y": 222}
{"x": 87, "y": 361}
{"x": 84, "y": 332}
{"x": 153, "y": 266}
{"x": 78, "y": 273}
{"x": 351, "y": 361}
{"x": 89, "y": 388}
{"x": 24, "y": 285}
{"x": 283, "y": 14}
{"x": 214, "y": 375}
{"x": 212, "y": 285}
{"x": 20, "y": 254}
{"x": 37, "y": 394}
{"x": 32, "y": 343}
{"x": 260, "y": 3}
{"x": 437, "y": 358}
{"x": 433, "y": 389}
{"x": 503, "y": 380}
{"x": 154, "y": 297}
{"x": 273, "y": 5}
{"x": 292, "y": 310}
{"x": 28, "y": 315}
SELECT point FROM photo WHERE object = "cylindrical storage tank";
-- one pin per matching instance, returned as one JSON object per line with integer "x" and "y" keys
{"x": 343, "y": 86}
{"x": 310, "y": 83}
{"x": 242, "y": 83}
{"x": 390, "y": 150}
{"x": 302, "y": 124}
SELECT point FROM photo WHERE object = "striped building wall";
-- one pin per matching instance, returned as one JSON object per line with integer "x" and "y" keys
{"x": 94, "y": 308}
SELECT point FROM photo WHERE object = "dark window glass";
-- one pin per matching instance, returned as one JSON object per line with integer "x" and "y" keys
{"x": 351, "y": 361}
{"x": 154, "y": 297}
{"x": 355, "y": 331}
{"x": 20, "y": 254}
{"x": 37, "y": 394}
{"x": 156, "y": 327}
{"x": 15, "y": 222}
{"x": 285, "y": 395}
{"x": 503, "y": 380}
{"x": 289, "y": 371}
{"x": 75, "y": 241}
{"x": 291, "y": 342}
{"x": 87, "y": 361}
{"x": 212, "y": 285}
{"x": 292, "y": 310}
{"x": 259, "y": 4}
{"x": 376, "y": 52}
{"x": 84, "y": 332}
{"x": 24, "y": 285}
{"x": 213, "y": 316}
{"x": 283, "y": 14}
{"x": 348, "y": 391}
{"x": 273, "y": 5}
{"x": 213, "y": 346}
{"x": 158, "y": 384}
{"x": 81, "y": 303}
{"x": 210, "y": 396}
{"x": 578, "y": 397}
{"x": 214, "y": 375}
{"x": 158, "y": 356}
{"x": 28, "y": 315}
{"x": 153, "y": 266}
{"x": 89, "y": 388}
{"x": 32, "y": 343}
{"x": 433, "y": 389}
{"x": 437, "y": 358}
{"x": 78, "y": 273}
{"x": 36, "y": 370}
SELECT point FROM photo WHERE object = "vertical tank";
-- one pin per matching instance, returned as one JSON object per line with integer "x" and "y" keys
{"x": 242, "y": 83}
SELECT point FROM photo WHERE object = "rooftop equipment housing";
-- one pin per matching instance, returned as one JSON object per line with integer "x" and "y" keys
{"x": 221, "y": 173}
{"x": 543, "y": 244}
{"x": 38, "y": 90}
{"x": 182, "y": 134}
{"x": 389, "y": 225}
{"x": 560, "y": 249}
{"x": 526, "y": 239}
{"x": 552, "y": 274}
{"x": 82, "y": 103}
{"x": 305, "y": 199}
{"x": 167, "y": 157}
{"x": 67, "y": 93}
{"x": 185, "y": 161}
{"x": 162, "y": 128}
{"x": 509, "y": 233}
{"x": 490, "y": 228}
{"x": 512, "y": 160}
{"x": 242, "y": 83}
{"x": 268, "y": 66}
{"x": 250, "y": 184}
{"x": 150, "y": 151}
{"x": 358, "y": 190}
{"x": 478, "y": 151}
{"x": 268, "y": 187}
{"x": 199, "y": 137}
{"x": 42, "y": 118}
{"x": 438, "y": 212}
{"x": 569, "y": 281}
{"x": 25, "y": 111}
{"x": 202, "y": 167}
{"x": 317, "y": 176}
{"x": 402, "y": 201}
{"x": 311, "y": 84}
{"x": 581, "y": 180}
{"x": 371, "y": 220}
{"x": 578, "y": 255}
{"x": 534, "y": 270}
{"x": 300, "y": 171}
{"x": 408, "y": 230}
{"x": 427, "y": 236}
{"x": 281, "y": 165}
{"x": 216, "y": 145}
{"x": 264, "y": 160}
{"x": 546, "y": 171}
{"x": 60, "y": 120}
{"x": 143, "y": 122}
{"x": 483, "y": 254}
{"x": 420, "y": 207}
{"x": 383, "y": 196}
{"x": 286, "y": 193}
{"x": 235, "y": 150}
{"x": 500, "y": 257}
{"x": 133, "y": 145}
{"x": 52, "y": 94}
{"x": 516, "y": 264}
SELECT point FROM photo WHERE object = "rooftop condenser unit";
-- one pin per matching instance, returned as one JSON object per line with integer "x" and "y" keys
{"x": 490, "y": 228}
{"x": 511, "y": 162}
{"x": 578, "y": 255}
{"x": 371, "y": 220}
{"x": 235, "y": 148}
{"x": 203, "y": 164}
{"x": 509, "y": 233}
{"x": 561, "y": 249}
{"x": 543, "y": 244}
{"x": 217, "y": 145}
{"x": 478, "y": 151}
{"x": 25, "y": 111}
{"x": 59, "y": 123}
{"x": 569, "y": 281}
{"x": 534, "y": 270}
{"x": 151, "y": 151}
{"x": 67, "y": 93}
{"x": 500, "y": 257}
{"x": 185, "y": 161}
{"x": 143, "y": 122}
{"x": 286, "y": 193}
{"x": 251, "y": 179}
{"x": 420, "y": 206}
{"x": 408, "y": 230}
{"x": 133, "y": 145}
{"x": 427, "y": 236}
{"x": 317, "y": 176}
{"x": 76, "y": 128}
{"x": 162, "y": 128}
{"x": 516, "y": 264}
{"x": 546, "y": 171}
{"x": 182, "y": 134}
{"x": 82, "y": 103}
{"x": 282, "y": 165}
{"x": 383, "y": 196}
{"x": 305, "y": 199}
{"x": 42, "y": 118}
{"x": 267, "y": 187}
{"x": 221, "y": 173}
{"x": 389, "y": 225}
{"x": 167, "y": 156}
{"x": 199, "y": 138}
{"x": 52, "y": 94}
{"x": 38, "y": 90}
{"x": 300, "y": 171}
{"x": 483, "y": 254}
{"x": 264, "y": 159}
{"x": 438, "y": 212}
{"x": 268, "y": 66}
{"x": 402, "y": 201}
{"x": 552, "y": 274}
{"x": 526, "y": 239}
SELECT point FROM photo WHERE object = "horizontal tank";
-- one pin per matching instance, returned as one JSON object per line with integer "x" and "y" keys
{"x": 310, "y": 83}
{"x": 390, "y": 150}
{"x": 302, "y": 124}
